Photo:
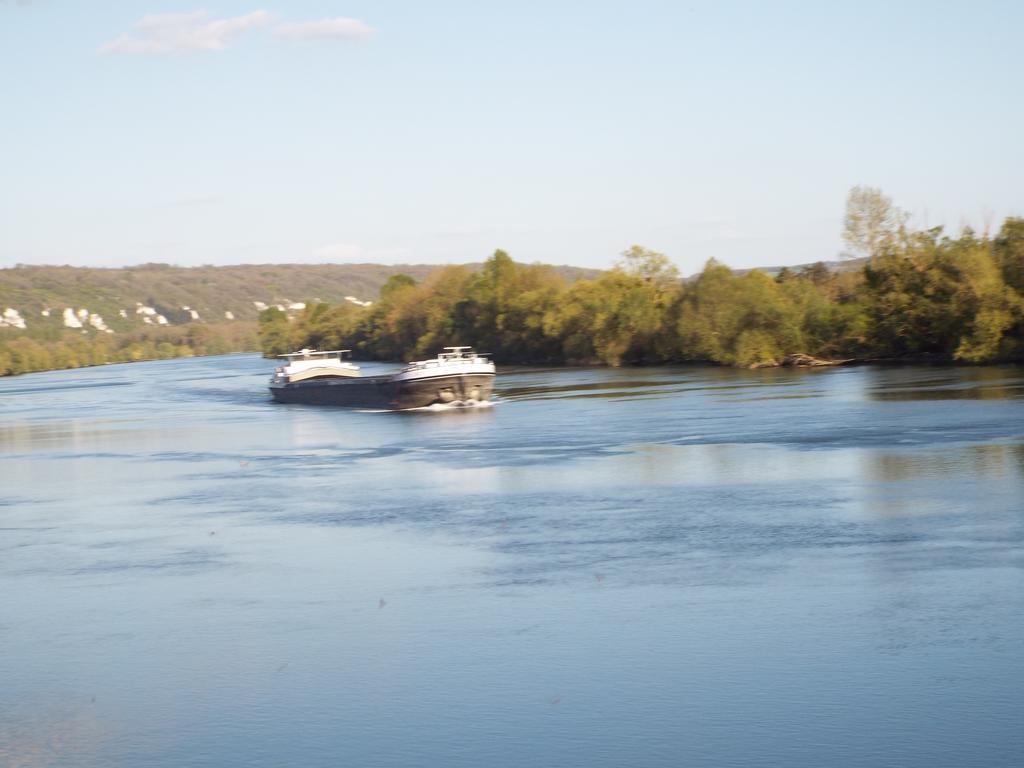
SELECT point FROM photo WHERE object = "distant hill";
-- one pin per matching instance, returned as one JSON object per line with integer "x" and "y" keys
{"x": 129, "y": 297}
{"x": 844, "y": 265}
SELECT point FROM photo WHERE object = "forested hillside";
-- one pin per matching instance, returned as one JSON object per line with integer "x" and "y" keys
{"x": 66, "y": 317}
{"x": 211, "y": 291}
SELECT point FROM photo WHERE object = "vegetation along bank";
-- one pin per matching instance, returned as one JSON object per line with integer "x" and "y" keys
{"x": 916, "y": 294}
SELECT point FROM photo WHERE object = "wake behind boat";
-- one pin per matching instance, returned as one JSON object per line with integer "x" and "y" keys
{"x": 456, "y": 376}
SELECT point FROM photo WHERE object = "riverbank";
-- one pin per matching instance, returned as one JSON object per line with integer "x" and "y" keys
{"x": 35, "y": 351}
{"x": 790, "y": 361}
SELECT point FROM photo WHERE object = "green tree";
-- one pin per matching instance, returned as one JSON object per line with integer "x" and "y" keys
{"x": 748, "y": 321}
{"x": 619, "y": 317}
{"x": 504, "y": 308}
{"x": 934, "y": 295}
{"x": 275, "y": 333}
{"x": 872, "y": 221}
{"x": 648, "y": 265}
{"x": 396, "y": 283}
{"x": 1008, "y": 249}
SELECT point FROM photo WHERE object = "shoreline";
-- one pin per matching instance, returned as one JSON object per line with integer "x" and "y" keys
{"x": 815, "y": 363}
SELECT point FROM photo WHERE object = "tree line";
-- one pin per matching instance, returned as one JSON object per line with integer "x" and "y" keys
{"x": 917, "y": 294}
{"x": 52, "y": 349}
{"x": 920, "y": 294}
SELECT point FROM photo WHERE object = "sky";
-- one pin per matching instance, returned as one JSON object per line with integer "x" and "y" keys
{"x": 395, "y": 131}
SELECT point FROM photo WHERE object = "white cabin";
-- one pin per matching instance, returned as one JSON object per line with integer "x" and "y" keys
{"x": 313, "y": 364}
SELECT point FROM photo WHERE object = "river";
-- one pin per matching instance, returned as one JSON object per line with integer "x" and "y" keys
{"x": 687, "y": 566}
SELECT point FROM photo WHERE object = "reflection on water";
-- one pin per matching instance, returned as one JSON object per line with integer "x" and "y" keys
{"x": 972, "y": 462}
{"x": 975, "y": 383}
{"x": 606, "y": 567}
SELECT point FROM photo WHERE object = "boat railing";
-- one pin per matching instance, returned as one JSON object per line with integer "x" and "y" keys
{"x": 316, "y": 354}
{"x": 441, "y": 360}
{"x": 452, "y": 356}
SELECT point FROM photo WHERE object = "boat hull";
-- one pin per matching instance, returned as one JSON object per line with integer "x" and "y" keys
{"x": 387, "y": 392}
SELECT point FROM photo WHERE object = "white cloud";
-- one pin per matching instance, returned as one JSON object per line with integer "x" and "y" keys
{"x": 177, "y": 32}
{"x": 325, "y": 29}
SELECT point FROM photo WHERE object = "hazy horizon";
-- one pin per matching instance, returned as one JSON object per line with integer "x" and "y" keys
{"x": 399, "y": 266}
{"x": 395, "y": 133}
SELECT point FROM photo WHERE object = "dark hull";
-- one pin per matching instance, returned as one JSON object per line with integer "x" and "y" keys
{"x": 386, "y": 392}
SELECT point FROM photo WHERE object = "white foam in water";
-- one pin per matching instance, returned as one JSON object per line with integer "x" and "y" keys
{"x": 457, "y": 405}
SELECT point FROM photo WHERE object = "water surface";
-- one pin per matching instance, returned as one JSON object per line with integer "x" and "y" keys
{"x": 647, "y": 567}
